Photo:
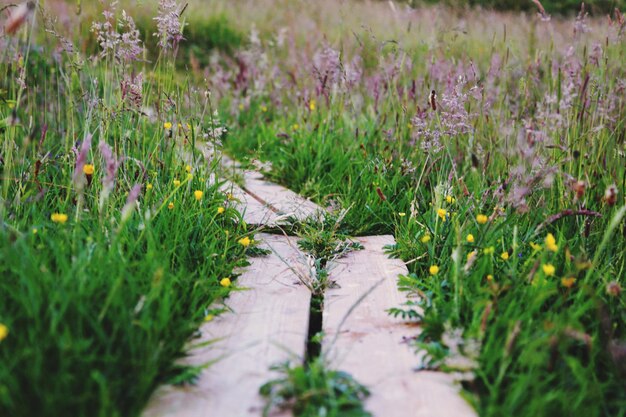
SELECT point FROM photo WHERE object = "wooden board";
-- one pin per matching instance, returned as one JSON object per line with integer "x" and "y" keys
{"x": 370, "y": 343}
{"x": 269, "y": 325}
{"x": 253, "y": 211}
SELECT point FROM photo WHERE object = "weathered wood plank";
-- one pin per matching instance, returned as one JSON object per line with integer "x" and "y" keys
{"x": 285, "y": 201}
{"x": 254, "y": 212}
{"x": 370, "y": 343}
{"x": 268, "y": 325}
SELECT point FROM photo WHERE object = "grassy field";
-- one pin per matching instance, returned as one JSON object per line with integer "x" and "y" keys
{"x": 495, "y": 153}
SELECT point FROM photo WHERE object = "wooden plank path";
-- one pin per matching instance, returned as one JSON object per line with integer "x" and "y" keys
{"x": 370, "y": 345}
{"x": 269, "y": 323}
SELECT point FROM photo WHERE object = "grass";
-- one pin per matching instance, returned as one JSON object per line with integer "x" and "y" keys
{"x": 527, "y": 130}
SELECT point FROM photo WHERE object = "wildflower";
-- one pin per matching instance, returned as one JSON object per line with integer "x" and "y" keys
{"x": 167, "y": 125}
{"x": 220, "y": 210}
{"x": 170, "y": 205}
{"x": 548, "y": 269}
{"x": 613, "y": 288}
{"x": 264, "y": 109}
{"x": 188, "y": 168}
{"x": 149, "y": 186}
{"x": 551, "y": 243}
{"x": 450, "y": 199}
{"x": 176, "y": 183}
{"x": 425, "y": 239}
{"x": 470, "y": 238}
{"x": 189, "y": 177}
{"x": 225, "y": 282}
{"x": 88, "y": 169}
{"x": 295, "y": 126}
{"x": 535, "y": 246}
{"x": 4, "y": 332}
{"x": 568, "y": 282}
{"x": 209, "y": 317}
{"x": 401, "y": 214}
{"x": 471, "y": 255}
{"x": 169, "y": 29}
{"x": 442, "y": 213}
{"x": 198, "y": 195}
{"x": 58, "y": 218}
{"x": 312, "y": 105}
{"x": 434, "y": 270}
{"x": 481, "y": 219}
{"x": 245, "y": 241}
{"x": 489, "y": 277}
{"x": 35, "y": 230}
{"x": 489, "y": 250}
{"x": 230, "y": 197}
{"x": 504, "y": 256}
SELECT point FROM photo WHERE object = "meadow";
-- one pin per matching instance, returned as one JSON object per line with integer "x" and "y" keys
{"x": 492, "y": 145}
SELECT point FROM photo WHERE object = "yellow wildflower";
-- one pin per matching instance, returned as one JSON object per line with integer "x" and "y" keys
{"x": 148, "y": 186}
{"x": 167, "y": 125}
{"x": 450, "y": 199}
{"x": 504, "y": 256}
{"x": 312, "y": 105}
{"x": 58, "y": 218}
{"x": 170, "y": 205}
{"x": 176, "y": 183}
{"x": 489, "y": 250}
{"x": 245, "y": 241}
{"x": 434, "y": 270}
{"x": 489, "y": 277}
{"x": 548, "y": 269}
{"x": 295, "y": 126}
{"x": 4, "y": 332}
{"x": 568, "y": 282}
{"x": 425, "y": 238}
{"x": 482, "y": 219}
{"x": 263, "y": 109}
{"x": 225, "y": 282}
{"x": 88, "y": 169}
{"x": 188, "y": 168}
{"x": 442, "y": 213}
{"x": 220, "y": 210}
{"x": 551, "y": 243}
{"x": 208, "y": 317}
{"x": 470, "y": 238}
{"x": 241, "y": 106}
{"x": 401, "y": 214}
{"x": 535, "y": 246}
{"x": 198, "y": 195}
{"x": 35, "y": 230}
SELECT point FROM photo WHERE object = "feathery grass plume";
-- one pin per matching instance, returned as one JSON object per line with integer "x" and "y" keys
{"x": 111, "y": 164}
{"x": 18, "y": 17}
{"x": 79, "y": 178}
{"x": 169, "y": 28}
{"x": 126, "y": 46}
{"x": 131, "y": 202}
{"x": 131, "y": 87}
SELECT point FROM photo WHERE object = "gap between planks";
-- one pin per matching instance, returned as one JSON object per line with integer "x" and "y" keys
{"x": 268, "y": 325}
{"x": 370, "y": 344}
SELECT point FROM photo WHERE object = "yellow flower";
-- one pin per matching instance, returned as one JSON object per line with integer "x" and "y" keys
{"x": 225, "y": 282}
{"x": 4, "y": 332}
{"x": 425, "y": 238}
{"x": 230, "y": 197}
{"x": 568, "y": 282}
{"x": 208, "y": 317}
{"x": 489, "y": 277}
{"x": 220, "y": 210}
{"x": 295, "y": 126}
{"x": 482, "y": 219}
{"x": 188, "y": 168}
{"x": 535, "y": 246}
{"x": 470, "y": 238}
{"x": 167, "y": 125}
{"x": 176, "y": 183}
{"x": 58, "y": 218}
{"x": 189, "y": 176}
{"x": 489, "y": 250}
{"x": 245, "y": 241}
{"x": 312, "y": 105}
{"x": 88, "y": 169}
{"x": 148, "y": 186}
{"x": 471, "y": 255}
{"x": 434, "y": 270}
{"x": 450, "y": 199}
{"x": 401, "y": 214}
{"x": 241, "y": 106}
{"x": 263, "y": 109}
{"x": 548, "y": 269}
{"x": 504, "y": 256}
{"x": 442, "y": 213}
{"x": 170, "y": 205}
{"x": 198, "y": 195}
{"x": 551, "y": 243}
{"x": 35, "y": 230}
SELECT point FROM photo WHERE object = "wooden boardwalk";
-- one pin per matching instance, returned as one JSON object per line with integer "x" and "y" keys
{"x": 270, "y": 317}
